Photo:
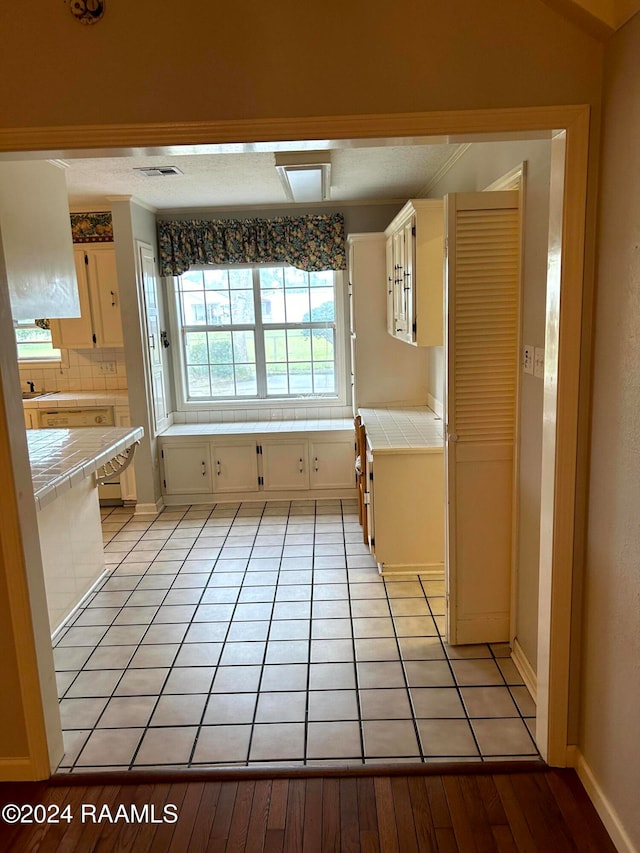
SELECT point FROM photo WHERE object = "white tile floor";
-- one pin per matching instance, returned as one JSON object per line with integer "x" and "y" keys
{"x": 252, "y": 633}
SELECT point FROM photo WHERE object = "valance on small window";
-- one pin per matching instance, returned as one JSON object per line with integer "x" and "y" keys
{"x": 311, "y": 243}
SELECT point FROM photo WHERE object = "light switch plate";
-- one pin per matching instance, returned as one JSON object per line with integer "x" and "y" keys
{"x": 527, "y": 359}
{"x": 107, "y": 367}
{"x": 538, "y": 363}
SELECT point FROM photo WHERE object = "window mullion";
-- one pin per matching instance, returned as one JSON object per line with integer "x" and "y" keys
{"x": 261, "y": 359}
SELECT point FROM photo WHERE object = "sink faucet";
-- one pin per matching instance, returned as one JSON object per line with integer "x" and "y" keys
{"x": 32, "y": 386}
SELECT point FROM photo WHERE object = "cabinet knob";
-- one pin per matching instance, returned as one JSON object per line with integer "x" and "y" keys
{"x": 219, "y": 467}
{"x": 316, "y": 463}
{"x": 113, "y": 298}
{"x": 301, "y": 466}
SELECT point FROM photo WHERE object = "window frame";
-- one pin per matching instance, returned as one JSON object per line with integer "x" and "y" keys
{"x": 183, "y": 404}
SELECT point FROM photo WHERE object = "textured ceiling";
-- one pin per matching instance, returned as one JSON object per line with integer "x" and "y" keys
{"x": 230, "y": 180}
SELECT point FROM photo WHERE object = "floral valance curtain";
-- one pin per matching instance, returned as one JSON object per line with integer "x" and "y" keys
{"x": 311, "y": 243}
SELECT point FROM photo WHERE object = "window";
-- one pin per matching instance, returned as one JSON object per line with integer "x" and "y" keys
{"x": 257, "y": 333}
{"x": 34, "y": 342}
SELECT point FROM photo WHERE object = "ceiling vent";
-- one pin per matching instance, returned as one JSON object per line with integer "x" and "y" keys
{"x": 158, "y": 171}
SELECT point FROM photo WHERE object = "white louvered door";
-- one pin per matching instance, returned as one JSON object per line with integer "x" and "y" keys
{"x": 482, "y": 293}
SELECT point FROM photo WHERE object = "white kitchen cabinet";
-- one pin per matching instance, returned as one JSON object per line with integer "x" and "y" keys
{"x": 406, "y": 511}
{"x": 31, "y": 418}
{"x": 415, "y": 265}
{"x": 186, "y": 468}
{"x": 127, "y": 477}
{"x": 331, "y": 464}
{"x": 284, "y": 465}
{"x": 235, "y": 467}
{"x": 100, "y": 323}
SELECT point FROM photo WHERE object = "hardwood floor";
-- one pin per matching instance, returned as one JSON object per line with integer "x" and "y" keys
{"x": 526, "y": 811}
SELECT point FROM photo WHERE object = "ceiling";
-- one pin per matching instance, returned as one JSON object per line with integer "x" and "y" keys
{"x": 385, "y": 171}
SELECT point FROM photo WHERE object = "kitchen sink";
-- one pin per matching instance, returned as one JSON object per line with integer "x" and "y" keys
{"x": 31, "y": 395}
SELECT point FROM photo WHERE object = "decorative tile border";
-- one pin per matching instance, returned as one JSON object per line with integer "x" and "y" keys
{"x": 95, "y": 227}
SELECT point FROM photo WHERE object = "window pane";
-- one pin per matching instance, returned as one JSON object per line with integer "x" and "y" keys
{"x": 321, "y": 279}
{"x": 272, "y": 306}
{"x": 324, "y": 377}
{"x": 218, "y": 308}
{"x": 295, "y": 278}
{"x": 220, "y": 351}
{"x": 275, "y": 345}
{"x": 193, "y": 309}
{"x": 322, "y": 344}
{"x": 216, "y": 280}
{"x": 196, "y": 348}
{"x": 244, "y": 348}
{"x": 271, "y": 278}
{"x": 300, "y": 379}
{"x": 241, "y": 279}
{"x": 35, "y": 343}
{"x": 191, "y": 280}
{"x": 297, "y": 305}
{"x": 299, "y": 343}
{"x": 198, "y": 382}
{"x": 323, "y": 305}
{"x": 277, "y": 382}
{"x": 242, "y": 307}
{"x": 246, "y": 380}
{"x": 222, "y": 380}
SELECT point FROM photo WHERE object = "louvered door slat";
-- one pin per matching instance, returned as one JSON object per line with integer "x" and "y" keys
{"x": 483, "y": 292}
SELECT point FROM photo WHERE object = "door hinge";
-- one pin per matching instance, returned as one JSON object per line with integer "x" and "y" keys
{"x": 413, "y": 230}
{"x": 164, "y": 483}
{"x": 261, "y": 481}
{"x": 162, "y": 454}
{"x": 415, "y": 327}
{"x": 259, "y": 449}
{"x": 371, "y": 476}
{"x": 373, "y": 542}
{"x": 95, "y": 340}
{"x": 86, "y": 259}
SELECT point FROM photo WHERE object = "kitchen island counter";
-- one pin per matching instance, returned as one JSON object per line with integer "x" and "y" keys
{"x": 64, "y": 467}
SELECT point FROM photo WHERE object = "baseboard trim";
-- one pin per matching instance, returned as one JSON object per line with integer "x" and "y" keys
{"x": 431, "y": 573}
{"x": 17, "y": 770}
{"x": 435, "y": 405}
{"x": 602, "y": 805}
{"x": 525, "y": 668}
{"x": 150, "y": 508}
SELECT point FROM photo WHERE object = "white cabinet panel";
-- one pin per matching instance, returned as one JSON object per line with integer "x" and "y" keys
{"x": 331, "y": 464}
{"x": 100, "y": 323}
{"x": 235, "y": 467}
{"x": 187, "y": 469}
{"x": 284, "y": 465}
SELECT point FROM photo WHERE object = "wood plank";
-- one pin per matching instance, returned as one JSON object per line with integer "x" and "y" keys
{"x": 274, "y": 841}
{"x": 120, "y": 836}
{"x": 579, "y": 812}
{"x": 331, "y": 816}
{"x": 79, "y": 834}
{"x": 504, "y": 839}
{"x": 491, "y": 800}
{"x": 259, "y": 817}
{"x": 294, "y": 828}
{"x": 440, "y": 813}
{"x": 222, "y": 820}
{"x": 480, "y": 825}
{"x": 407, "y": 840}
{"x": 515, "y": 815}
{"x": 446, "y": 839}
{"x": 164, "y": 832}
{"x": 53, "y": 838}
{"x": 183, "y": 829}
{"x": 349, "y": 820}
{"x": 312, "y": 837}
{"x": 462, "y": 828}
{"x": 238, "y": 831}
{"x": 542, "y": 816}
{"x": 146, "y": 832}
{"x": 367, "y": 817}
{"x": 423, "y": 821}
{"x": 205, "y": 816}
{"x": 278, "y": 804}
{"x": 14, "y": 838}
{"x": 387, "y": 830}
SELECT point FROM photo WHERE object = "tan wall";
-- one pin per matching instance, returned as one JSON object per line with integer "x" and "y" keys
{"x": 611, "y": 622}
{"x": 159, "y": 62}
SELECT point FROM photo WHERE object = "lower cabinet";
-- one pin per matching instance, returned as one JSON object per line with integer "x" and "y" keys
{"x": 212, "y": 466}
{"x": 405, "y": 511}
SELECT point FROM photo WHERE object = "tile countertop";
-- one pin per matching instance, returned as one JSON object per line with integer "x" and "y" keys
{"x": 75, "y": 399}
{"x": 406, "y": 429}
{"x": 61, "y": 457}
{"x": 260, "y": 427}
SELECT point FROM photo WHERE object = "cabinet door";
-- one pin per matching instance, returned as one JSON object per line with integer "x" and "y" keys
{"x": 30, "y": 419}
{"x": 399, "y": 310}
{"x": 408, "y": 279}
{"x": 235, "y": 467}
{"x": 187, "y": 469}
{"x": 127, "y": 477}
{"x": 105, "y": 297}
{"x": 284, "y": 465}
{"x": 76, "y": 333}
{"x": 390, "y": 287}
{"x": 331, "y": 464}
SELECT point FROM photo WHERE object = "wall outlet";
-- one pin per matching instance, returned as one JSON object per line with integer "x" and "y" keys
{"x": 527, "y": 359}
{"x": 107, "y": 367}
{"x": 538, "y": 363}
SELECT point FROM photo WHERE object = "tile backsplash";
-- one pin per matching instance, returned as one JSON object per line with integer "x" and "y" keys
{"x": 80, "y": 370}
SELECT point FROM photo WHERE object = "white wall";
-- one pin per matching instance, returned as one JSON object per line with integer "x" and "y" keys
{"x": 610, "y": 697}
{"x": 478, "y": 168}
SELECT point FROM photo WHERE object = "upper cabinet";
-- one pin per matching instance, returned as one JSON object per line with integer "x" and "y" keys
{"x": 36, "y": 241}
{"x": 415, "y": 273}
{"x": 100, "y": 323}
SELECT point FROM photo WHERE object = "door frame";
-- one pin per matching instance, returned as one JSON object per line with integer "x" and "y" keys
{"x": 568, "y": 322}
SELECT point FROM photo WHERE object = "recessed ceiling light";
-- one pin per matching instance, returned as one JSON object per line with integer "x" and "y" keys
{"x": 305, "y": 176}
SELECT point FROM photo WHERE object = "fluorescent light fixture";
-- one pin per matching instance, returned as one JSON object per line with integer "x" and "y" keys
{"x": 305, "y": 176}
